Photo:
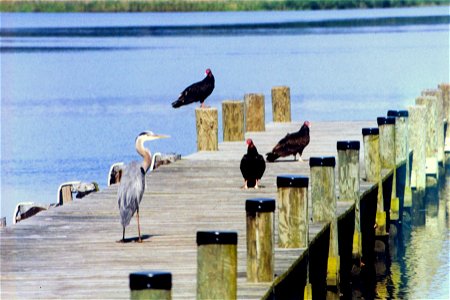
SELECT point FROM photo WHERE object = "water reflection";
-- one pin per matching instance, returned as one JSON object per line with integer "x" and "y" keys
{"x": 415, "y": 264}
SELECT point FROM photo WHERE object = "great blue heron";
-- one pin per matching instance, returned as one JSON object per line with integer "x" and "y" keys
{"x": 132, "y": 184}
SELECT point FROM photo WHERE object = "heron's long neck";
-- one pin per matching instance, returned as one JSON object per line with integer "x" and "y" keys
{"x": 145, "y": 153}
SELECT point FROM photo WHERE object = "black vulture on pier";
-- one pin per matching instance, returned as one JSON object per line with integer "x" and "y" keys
{"x": 291, "y": 144}
{"x": 252, "y": 166}
{"x": 198, "y": 91}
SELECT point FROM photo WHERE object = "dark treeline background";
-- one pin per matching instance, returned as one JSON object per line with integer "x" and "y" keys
{"x": 204, "y": 5}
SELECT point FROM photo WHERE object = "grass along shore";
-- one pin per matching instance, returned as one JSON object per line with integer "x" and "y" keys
{"x": 202, "y": 5}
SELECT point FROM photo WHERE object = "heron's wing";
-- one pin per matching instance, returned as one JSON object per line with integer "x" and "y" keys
{"x": 130, "y": 192}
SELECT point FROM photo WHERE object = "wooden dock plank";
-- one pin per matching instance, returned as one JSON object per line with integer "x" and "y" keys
{"x": 70, "y": 251}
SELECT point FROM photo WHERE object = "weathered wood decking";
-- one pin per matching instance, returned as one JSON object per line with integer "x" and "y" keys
{"x": 70, "y": 251}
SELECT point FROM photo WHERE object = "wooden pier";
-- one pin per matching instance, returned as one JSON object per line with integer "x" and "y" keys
{"x": 71, "y": 251}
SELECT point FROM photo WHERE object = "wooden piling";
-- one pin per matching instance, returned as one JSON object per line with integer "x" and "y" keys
{"x": 372, "y": 163}
{"x": 386, "y": 125}
{"x": 417, "y": 140}
{"x": 3, "y": 222}
{"x": 207, "y": 129}
{"x": 402, "y": 155}
{"x": 216, "y": 265}
{"x": 323, "y": 200}
{"x": 293, "y": 219}
{"x": 431, "y": 136}
{"x": 233, "y": 120}
{"x": 440, "y": 115}
{"x": 349, "y": 178}
{"x": 281, "y": 104}
{"x": 151, "y": 285}
{"x": 445, "y": 88}
{"x": 66, "y": 194}
{"x": 260, "y": 239}
{"x": 254, "y": 112}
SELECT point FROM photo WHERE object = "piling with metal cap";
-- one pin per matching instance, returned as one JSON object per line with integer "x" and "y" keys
{"x": 349, "y": 186}
{"x": 292, "y": 191}
{"x": 323, "y": 201}
{"x": 372, "y": 164}
{"x": 431, "y": 137}
{"x": 207, "y": 129}
{"x": 417, "y": 137}
{"x": 402, "y": 156}
{"x": 281, "y": 104}
{"x": 233, "y": 120}
{"x": 260, "y": 239}
{"x": 151, "y": 285}
{"x": 217, "y": 264}
{"x": 386, "y": 126}
{"x": 254, "y": 112}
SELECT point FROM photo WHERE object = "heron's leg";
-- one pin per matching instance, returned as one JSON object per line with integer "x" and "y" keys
{"x": 123, "y": 235}
{"x": 139, "y": 227}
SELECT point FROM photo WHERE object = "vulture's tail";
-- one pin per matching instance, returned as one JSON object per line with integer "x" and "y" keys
{"x": 270, "y": 157}
{"x": 178, "y": 103}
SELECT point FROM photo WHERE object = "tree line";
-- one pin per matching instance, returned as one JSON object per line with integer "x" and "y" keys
{"x": 203, "y": 5}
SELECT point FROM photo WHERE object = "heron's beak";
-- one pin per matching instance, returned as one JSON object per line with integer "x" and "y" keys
{"x": 162, "y": 136}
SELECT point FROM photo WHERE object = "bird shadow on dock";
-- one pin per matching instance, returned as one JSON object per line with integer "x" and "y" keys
{"x": 135, "y": 239}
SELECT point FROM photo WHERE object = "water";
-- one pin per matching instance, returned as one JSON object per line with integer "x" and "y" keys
{"x": 417, "y": 263}
{"x": 77, "y": 88}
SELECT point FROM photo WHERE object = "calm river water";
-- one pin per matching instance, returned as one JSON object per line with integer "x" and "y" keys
{"x": 77, "y": 88}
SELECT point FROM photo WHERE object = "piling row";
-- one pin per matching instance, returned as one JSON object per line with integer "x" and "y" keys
{"x": 418, "y": 130}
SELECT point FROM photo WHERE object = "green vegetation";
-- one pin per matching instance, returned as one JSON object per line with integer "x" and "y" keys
{"x": 202, "y": 5}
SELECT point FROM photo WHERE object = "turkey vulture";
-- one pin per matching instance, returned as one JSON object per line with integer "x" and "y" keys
{"x": 252, "y": 166}
{"x": 198, "y": 91}
{"x": 291, "y": 144}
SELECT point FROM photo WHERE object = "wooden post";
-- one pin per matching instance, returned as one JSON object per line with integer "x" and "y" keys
{"x": 66, "y": 194}
{"x": 431, "y": 141}
{"x": 216, "y": 265}
{"x": 349, "y": 178}
{"x": 3, "y": 222}
{"x": 402, "y": 155}
{"x": 281, "y": 104}
{"x": 254, "y": 112}
{"x": 292, "y": 211}
{"x": 386, "y": 125}
{"x": 445, "y": 88}
{"x": 417, "y": 142}
{"x": 233, "y": 120}
{"x": 151, "y": 285}
{"x": 439, "y": 120}
{"x": 207, "y": 129}
{"x": 260, "y": 239}
{"x": 372, "y": 162}
{"x": 323, "y": 200}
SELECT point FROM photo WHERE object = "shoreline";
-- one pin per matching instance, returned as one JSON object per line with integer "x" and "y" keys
{"x": 204, "y": 5}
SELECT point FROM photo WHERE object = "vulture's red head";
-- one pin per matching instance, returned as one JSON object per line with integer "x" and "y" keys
{"x": 249, "y": 143}
{"x": 307, "y": 123}
{"x": 208, "y": 72}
